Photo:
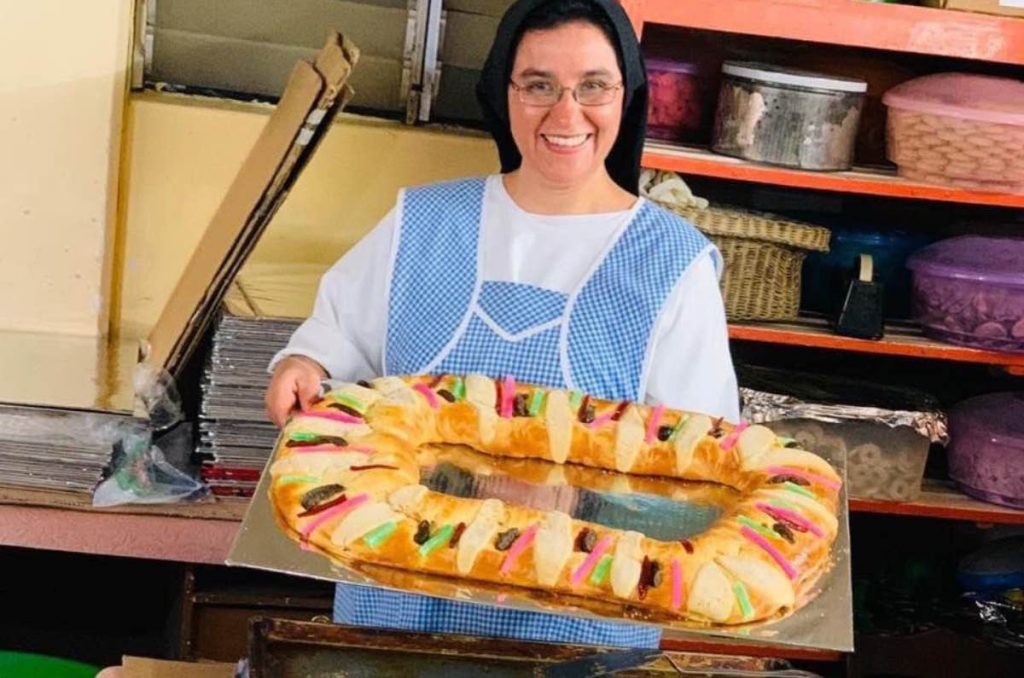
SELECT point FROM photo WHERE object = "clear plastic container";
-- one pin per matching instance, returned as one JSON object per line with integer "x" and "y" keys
{"x": 786, "y": 116}
{"x": 959, "y": 129}
{"x": 882, "y": 432}
{"x": 681, "y": 100}
{"x": 986, "y": 450}
{"x": 970, "y": 291}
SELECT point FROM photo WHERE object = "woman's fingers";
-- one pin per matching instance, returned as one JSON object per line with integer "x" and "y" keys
{"x": 307, "y": 388}
{"x": 295, "y": 385}
{"x": 280, "y": 398}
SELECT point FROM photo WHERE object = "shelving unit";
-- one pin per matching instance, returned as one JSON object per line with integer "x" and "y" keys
{"x": 879, "y": 182}
{"x": 942, "y": 500}
{"x": 898, "y": 28}
{"x": 851, "y": 23}
{"x": 900, "y": 340}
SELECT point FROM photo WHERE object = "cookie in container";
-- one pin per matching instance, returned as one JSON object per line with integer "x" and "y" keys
{"x": 959, "y": 129}
{"x": 883, "y": 432}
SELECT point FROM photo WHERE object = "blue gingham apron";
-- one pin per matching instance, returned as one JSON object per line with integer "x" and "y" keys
{"x": 444, "y": 318}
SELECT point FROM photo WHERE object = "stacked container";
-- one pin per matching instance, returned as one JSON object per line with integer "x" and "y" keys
{"x": 786, "y": 116}
{"x": 986, "y": 451}
{"x": 681, "y": 100}
{"x": 970, "y": 291}
{"x": 960, "y": 130}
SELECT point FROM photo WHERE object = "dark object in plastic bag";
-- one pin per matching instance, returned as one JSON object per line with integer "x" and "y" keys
{"x": 996, "y": 566}
{"x": 861, "y": 312}
{"x": 147, "y": 460}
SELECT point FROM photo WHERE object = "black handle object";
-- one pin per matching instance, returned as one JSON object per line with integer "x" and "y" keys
{"x": 861, "y": 313}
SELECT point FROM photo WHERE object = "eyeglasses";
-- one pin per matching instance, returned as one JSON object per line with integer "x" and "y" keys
{"x": 546, "y": 93}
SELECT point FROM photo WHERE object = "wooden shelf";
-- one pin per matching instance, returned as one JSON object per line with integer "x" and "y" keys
{"x": 900, "y": 340}
{"x": 900, "y": 28}
{"x": 700, "y": 162}
{"x": 942, "y": 500}
{"x": 709, "y": 645}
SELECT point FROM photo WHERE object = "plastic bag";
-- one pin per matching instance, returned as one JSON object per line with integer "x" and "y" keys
{"x": 148, "y": 458}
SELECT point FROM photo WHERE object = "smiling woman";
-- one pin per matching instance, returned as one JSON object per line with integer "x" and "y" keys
{"x": 553, "y": 272}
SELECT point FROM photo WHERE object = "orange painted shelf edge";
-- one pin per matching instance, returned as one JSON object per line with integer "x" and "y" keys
{"x": 899, "y": 341}
{"x": 900, "y": 28}
{"x": 941, "y": 500}
{"x": 705, "y": 163}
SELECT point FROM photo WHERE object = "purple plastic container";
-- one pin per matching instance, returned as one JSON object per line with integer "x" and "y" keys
{"x": 970, "y": 290}
{"x": 986, "y": 448}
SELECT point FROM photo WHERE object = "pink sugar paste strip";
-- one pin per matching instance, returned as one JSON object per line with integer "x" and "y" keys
{"x": 770, "y": 550}
{"x": 677, "y": 584}
{"x": 652, "y": 424}
{"x": 792, "y": 516}
{"x": 806, "y": 475}
{"x": 343, "y": 417}
{"x": 729, "y": 441}
{"x": 517, "y": 548}
{"x": 428, "y": 394}
{"x": 508, "y": 394}
{"x": 332, "y": 448}
{"x": 602, "y": 420}
{"x": 583, "y": 570}
{"x": 332, "y": 512}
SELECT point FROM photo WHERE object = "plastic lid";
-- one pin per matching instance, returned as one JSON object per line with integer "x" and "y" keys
{"x": 1000, "y": 415}
{"x": 973, "y": 257}
{"x": 779, "y": 75}
{"x": 975, "y": 97}
{"x": 656, "y": 64}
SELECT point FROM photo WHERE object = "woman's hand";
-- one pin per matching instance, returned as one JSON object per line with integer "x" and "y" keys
{"x": 294, "y": 386}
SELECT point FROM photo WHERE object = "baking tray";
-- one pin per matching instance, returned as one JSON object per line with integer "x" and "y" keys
{"x": 281, "y": 648}
{"x": 825, "y": 622}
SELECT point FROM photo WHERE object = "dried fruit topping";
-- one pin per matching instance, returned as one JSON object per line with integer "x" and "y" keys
{"x": 585, "y": 540}
{"x": 447, "y": 395}
{"x": 783, "y": 531}
{"x": 422, "y": 532}
{"x": 586, "y": 411}
{"x": 364, "y": 383}
{"x": 506, "y": 539}
{"x": 619, "y": 410}
{"x": 687, "y": 544}
{"x": 716, "y": 428}
{"x": 318, "y": 440}
{"x": 520, "y": 406}
{"x": 649, "y": 571}
{"x": 457, "y": 535}
{"x": 320, "y": 494}
{"x": 346, "y": 409}
{"x": 665, "y": 432}
{"x": 340, "y": 499}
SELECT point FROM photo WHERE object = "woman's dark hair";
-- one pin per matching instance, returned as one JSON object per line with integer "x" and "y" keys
{"x": 561, "y": 12}
{"x": 623, "y": 161}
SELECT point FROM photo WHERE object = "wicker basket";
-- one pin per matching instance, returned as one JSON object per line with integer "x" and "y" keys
{"x": 763, "y": 256}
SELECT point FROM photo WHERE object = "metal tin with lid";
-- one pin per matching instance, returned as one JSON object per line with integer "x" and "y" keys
{"x": 786, "y": 116}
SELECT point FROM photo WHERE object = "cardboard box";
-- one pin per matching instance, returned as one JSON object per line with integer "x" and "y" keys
{"x": 315, "y": 93}
{"x": 1000, "y": 7}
